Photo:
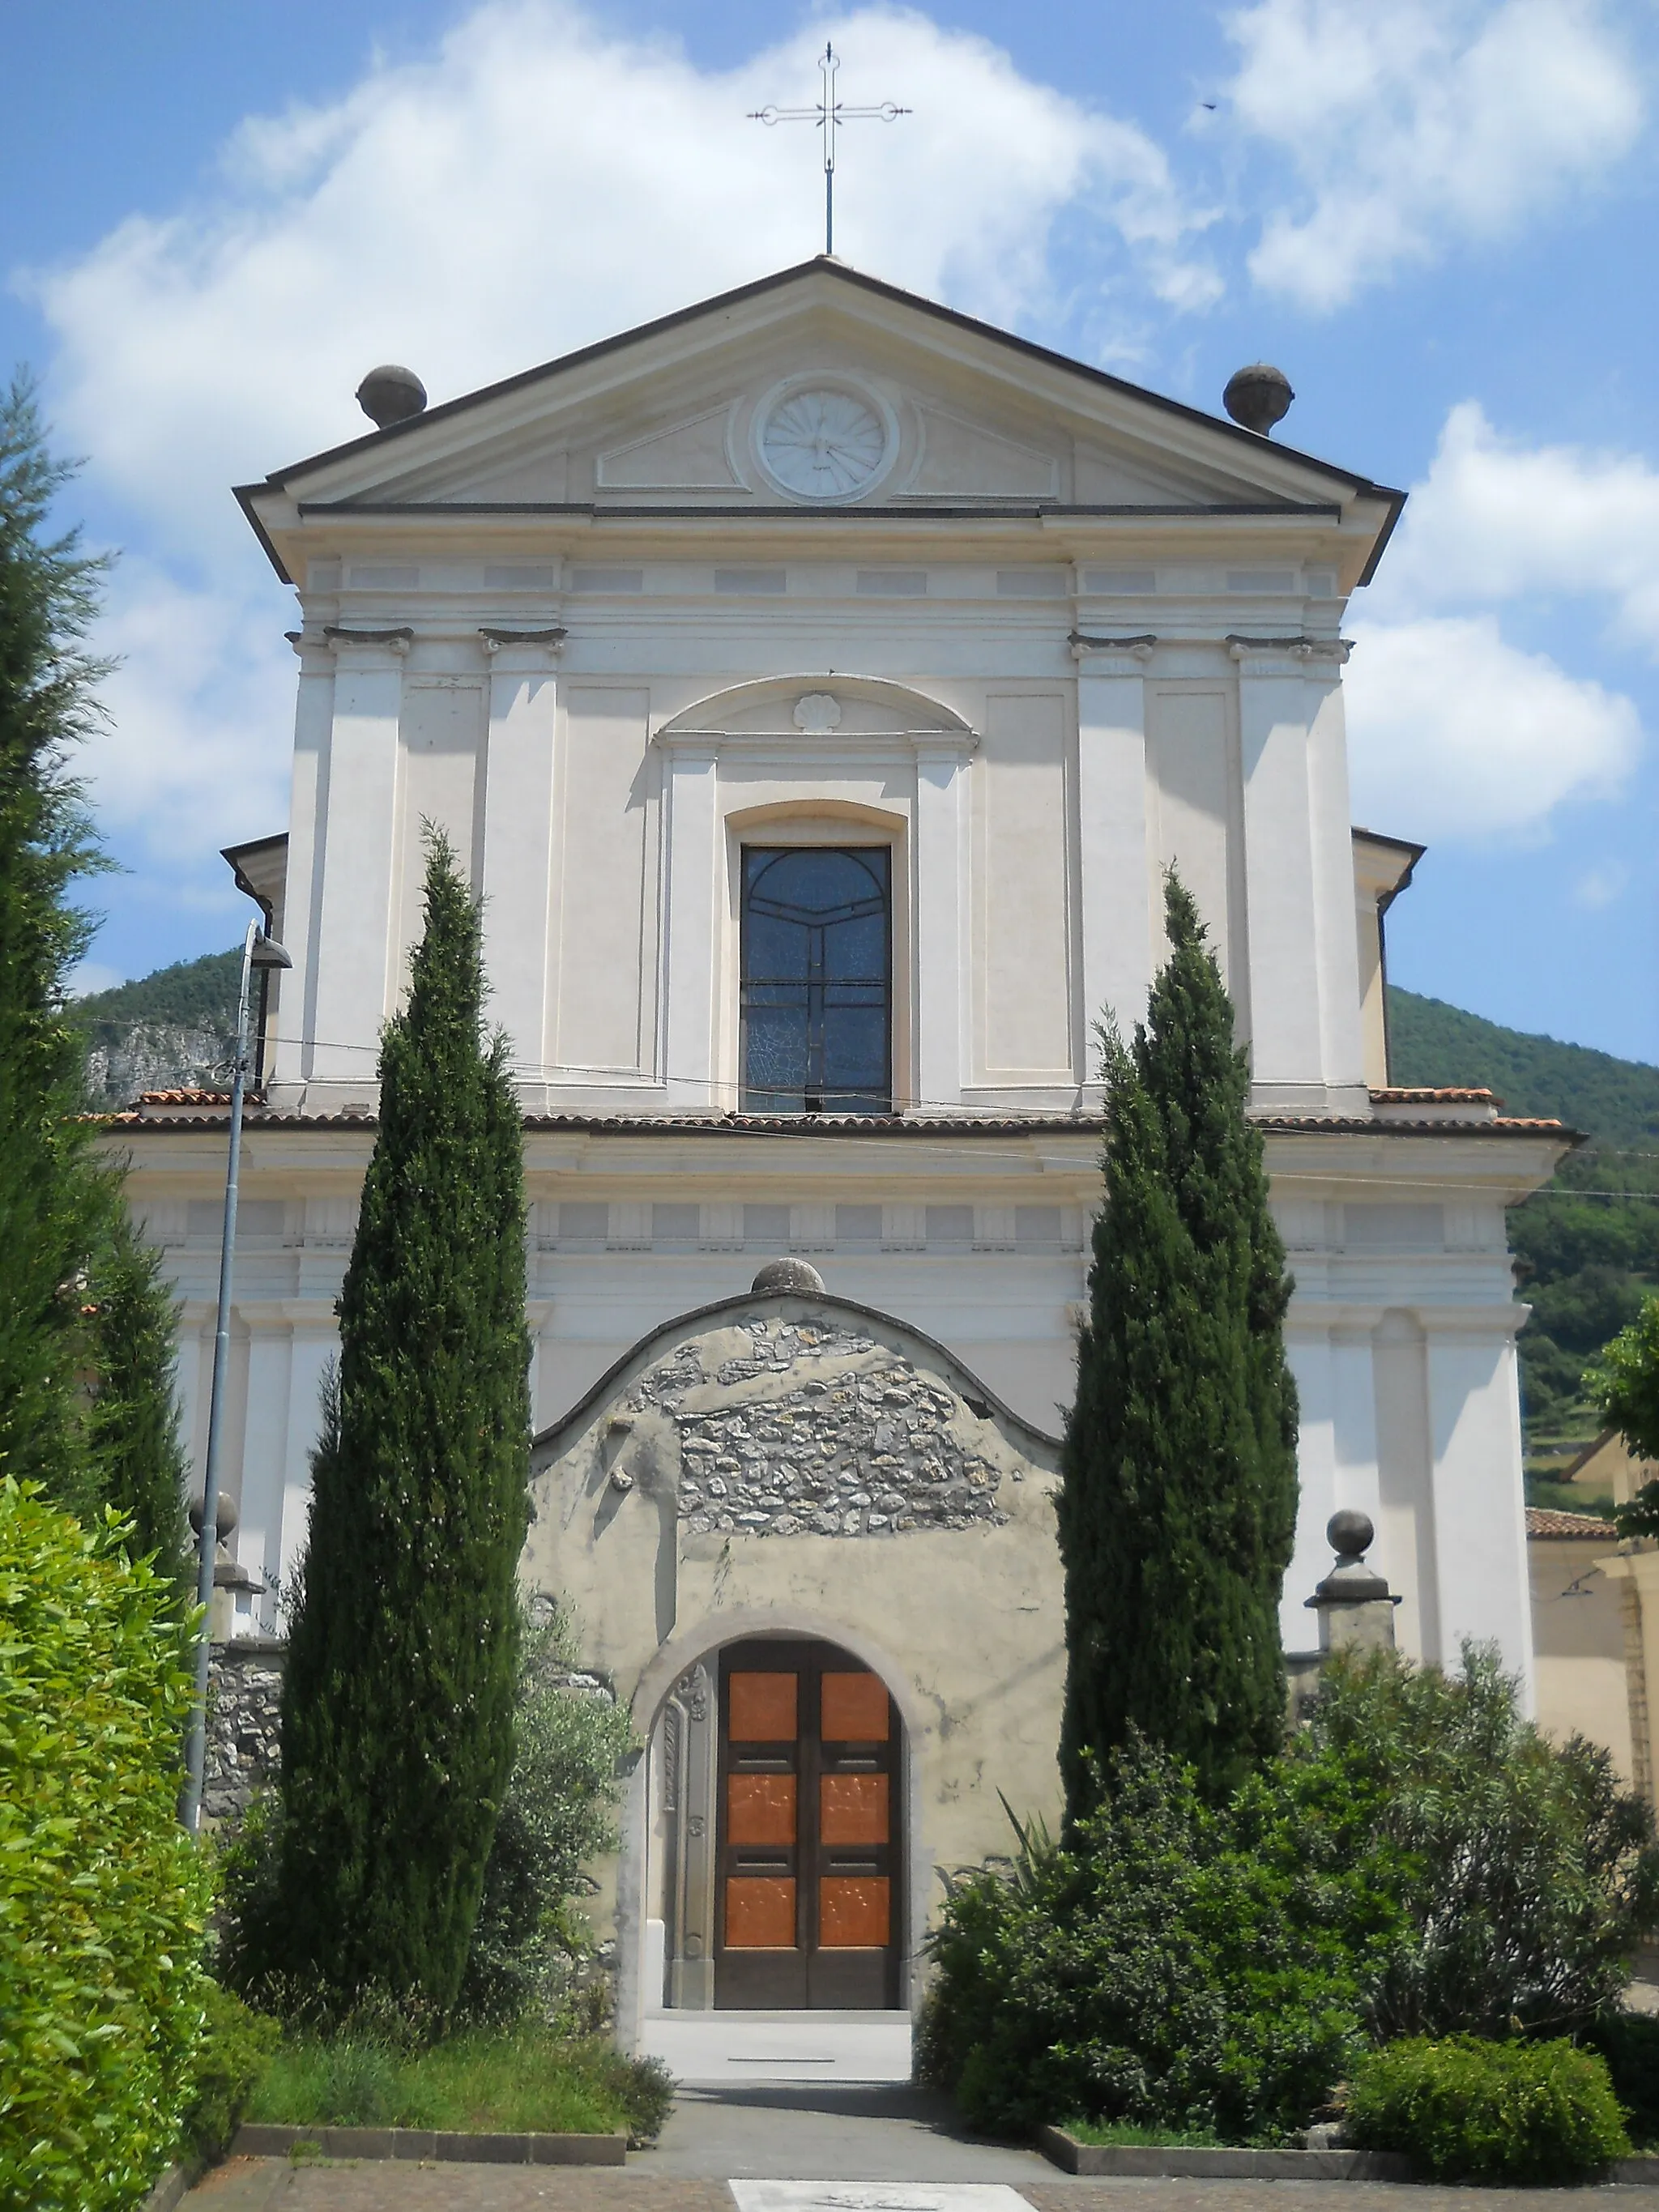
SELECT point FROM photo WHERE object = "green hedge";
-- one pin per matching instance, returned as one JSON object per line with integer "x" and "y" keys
{"x": 1629, "y": 2041}
{"x": 103, "y": 1897}
{"x": 237, "y": 2045}
{"x": 1464, "y": 2109}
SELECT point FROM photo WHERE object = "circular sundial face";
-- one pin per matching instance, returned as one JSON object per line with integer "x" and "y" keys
{"x": 823, "y": 444}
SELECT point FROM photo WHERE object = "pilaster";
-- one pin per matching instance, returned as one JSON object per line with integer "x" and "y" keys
{"x": 1479, "y": 1520}
{"x": 295, "y": 1020}
{"x": 1113, "y": 831}
{"x": 1287, "y": 903}
{"x": 353, "y": 936}
{"x": 942, "y": 1020}
{"x": 519, "y": 764}
{"x": 691, "y": 864}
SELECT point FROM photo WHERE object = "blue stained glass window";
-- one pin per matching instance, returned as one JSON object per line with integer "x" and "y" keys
{"x": 816, "y": 980}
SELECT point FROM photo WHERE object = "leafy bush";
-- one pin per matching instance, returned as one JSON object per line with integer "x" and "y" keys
{"x": 1418, "y": 1860}
{"x": 558, "y": 1813}
{"x": 103, "y": 1897}
{"x": 249, "y": 1870}
{"x": 1172, "y": 1966}
{"x": 1629, "y": 2041}
{"x": 1525, "y": 1876}
{"x": 1470, "y": 2111}
{"x": 236, "y": 2046}
{"x": 530, "y": 1938}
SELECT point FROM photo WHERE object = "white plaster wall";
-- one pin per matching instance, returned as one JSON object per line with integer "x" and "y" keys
{"x": 1577, "y": 1611}
{"x": 1032, "y": 852}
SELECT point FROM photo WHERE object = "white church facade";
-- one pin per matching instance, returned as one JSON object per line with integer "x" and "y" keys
{"x": 817, "y": 684}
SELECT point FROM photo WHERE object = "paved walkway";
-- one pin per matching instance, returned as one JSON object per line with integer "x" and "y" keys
{"x": 723, "y": 2047}
{"x": 877, "y": 2148}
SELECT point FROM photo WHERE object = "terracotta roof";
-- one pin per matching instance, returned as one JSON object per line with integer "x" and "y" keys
{"x": 210, "y": 1109}
{"x": 1545, "y": 1520}
{"x": 1400, "y": 1096}
{"x": 1494, "y": 1125}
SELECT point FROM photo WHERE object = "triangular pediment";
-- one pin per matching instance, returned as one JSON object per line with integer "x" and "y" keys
{"x": 817, "y": 388}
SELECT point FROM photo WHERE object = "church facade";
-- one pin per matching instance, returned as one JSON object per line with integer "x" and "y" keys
{"x": 817, "y": 684}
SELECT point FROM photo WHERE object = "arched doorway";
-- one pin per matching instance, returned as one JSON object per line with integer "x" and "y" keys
{"x": 779, "y": 1762}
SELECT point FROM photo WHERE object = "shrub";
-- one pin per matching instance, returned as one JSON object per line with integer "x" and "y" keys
{"x": 1418, "y": 1859}
{"x": 103, "y": 1897}
{"x": 1525, "y": 1875}
{"x": 1157, "y": 1969}
{"x": 529, "y": 1939}
{"x": 1629, "y": 2041}
{"x": 250, "y": 1872}
{"x": 558, "y": 1812}
{"x": 1466, "y": 2110}
{"x": 236, "y": 2046}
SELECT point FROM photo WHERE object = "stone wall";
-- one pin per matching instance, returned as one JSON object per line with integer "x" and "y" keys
{"x": 245, "y": 1693}
{"x": 813, "y": 1429}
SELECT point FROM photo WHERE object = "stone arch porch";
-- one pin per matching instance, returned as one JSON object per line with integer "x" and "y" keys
{"x": 788, "y": 1464}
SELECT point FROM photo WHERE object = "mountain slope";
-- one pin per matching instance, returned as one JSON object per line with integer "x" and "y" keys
{"x": 1587, "y": 1244}
{"x": 1614, "y": 1101}
{"x": 177, "y": 1027}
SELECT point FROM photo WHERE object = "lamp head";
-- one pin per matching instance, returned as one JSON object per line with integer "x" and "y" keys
{"x": 267, "y": 953}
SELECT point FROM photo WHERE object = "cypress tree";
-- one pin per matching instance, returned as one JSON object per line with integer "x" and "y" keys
{"x": 137, "y": 1453}
{"x": 53, "y": 1201}
{"x": 1177, "y": 1506}
{"x": 403, "y": 1650}
{"x": 86, "y": 1405}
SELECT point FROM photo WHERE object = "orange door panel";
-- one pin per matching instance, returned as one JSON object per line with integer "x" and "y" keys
{"x": 760, "y": 1914}
{"x": 763, "y": 1708}
{"x": 853, "y": 1914}
{"x": 853, "y": 1808}
{"x": 856, "y": 1709}
{"x": 760, "y": 1809}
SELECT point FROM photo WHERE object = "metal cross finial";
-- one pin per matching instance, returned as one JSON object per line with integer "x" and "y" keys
{"x": 829, "y": 114}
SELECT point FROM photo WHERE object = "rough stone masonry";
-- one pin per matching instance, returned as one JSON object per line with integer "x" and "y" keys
{"x": 809, "y": 1429}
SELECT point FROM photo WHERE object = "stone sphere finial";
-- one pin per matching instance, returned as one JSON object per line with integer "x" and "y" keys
{"x": 788, "y": 1275}
{"x": 1350, "y": 1534}
{"x": 1258, "y": 397}
{"x": 390, "y": 394}
{"x": 224, "y": 1519}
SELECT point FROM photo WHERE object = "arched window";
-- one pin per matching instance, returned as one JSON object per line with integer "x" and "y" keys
{"x": 816, "y": 980}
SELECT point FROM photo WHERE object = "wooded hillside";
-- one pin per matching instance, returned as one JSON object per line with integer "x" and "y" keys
{"x": 1589, "y": 1242}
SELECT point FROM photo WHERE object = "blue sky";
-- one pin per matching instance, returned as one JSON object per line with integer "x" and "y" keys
{"x": 1438, "y": 217}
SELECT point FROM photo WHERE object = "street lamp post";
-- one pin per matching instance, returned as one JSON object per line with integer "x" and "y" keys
{"x": 260, "y": 951}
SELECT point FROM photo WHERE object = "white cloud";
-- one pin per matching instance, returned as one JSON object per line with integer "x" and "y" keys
{"x": 197, "y": 748}
{"x": 1497, "y": 520}
{"x": 1455, "y": 733}
{"x": 539, "y": 183}
{"x": 1418, "y": 126}
{"x": 1455, "y": 728}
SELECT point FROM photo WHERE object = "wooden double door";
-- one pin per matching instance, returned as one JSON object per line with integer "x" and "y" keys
{"x": 810, "y": 1887}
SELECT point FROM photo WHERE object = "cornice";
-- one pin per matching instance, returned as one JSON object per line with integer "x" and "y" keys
{"x": 1112, "y": 656}
{"x": 398, "y": 641}
{"x": 1285, "y": 656}
{"x": 545, "y": 644}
